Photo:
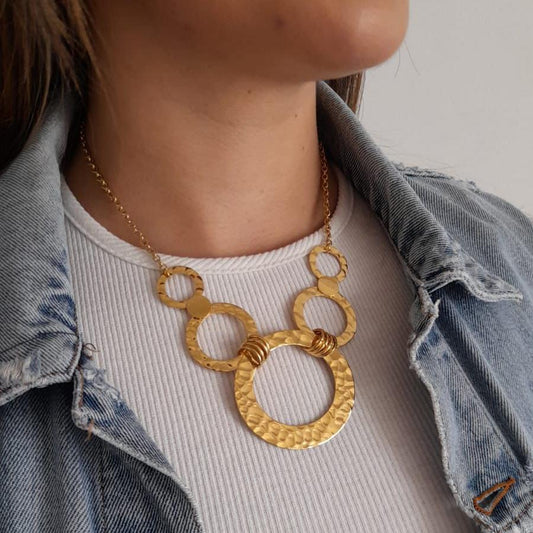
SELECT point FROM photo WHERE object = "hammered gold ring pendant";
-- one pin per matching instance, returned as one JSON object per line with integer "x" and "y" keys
{"x": 255, "y": 350}
{"x": 303, "y": 435}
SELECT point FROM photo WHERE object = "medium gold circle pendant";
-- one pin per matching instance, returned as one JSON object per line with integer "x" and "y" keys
{"x": 300, "y": 436}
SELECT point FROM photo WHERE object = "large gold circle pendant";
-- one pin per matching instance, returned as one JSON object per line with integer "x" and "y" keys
{"x": 300, "y": 436}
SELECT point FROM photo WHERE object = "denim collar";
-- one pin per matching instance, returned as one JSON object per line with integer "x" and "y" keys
{"x": 39, "y": 336}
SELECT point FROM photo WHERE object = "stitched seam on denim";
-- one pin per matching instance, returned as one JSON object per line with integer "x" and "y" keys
{"x": 463, "y": 276}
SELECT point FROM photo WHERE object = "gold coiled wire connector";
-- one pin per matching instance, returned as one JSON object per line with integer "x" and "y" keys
{"x": 323, "y": 344}
{"x": 256, "y": 348}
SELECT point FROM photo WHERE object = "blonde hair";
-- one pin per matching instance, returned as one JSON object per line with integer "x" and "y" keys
{"x": 45, "y": 49}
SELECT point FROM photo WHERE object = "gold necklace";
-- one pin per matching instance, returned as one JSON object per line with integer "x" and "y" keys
{"x": 255, "y": 349}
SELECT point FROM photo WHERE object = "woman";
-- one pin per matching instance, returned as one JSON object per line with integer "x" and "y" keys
{"x": 192, "y": 185}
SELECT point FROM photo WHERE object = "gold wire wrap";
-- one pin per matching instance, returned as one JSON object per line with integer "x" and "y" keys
{"x": 256, "y": 348}
{"x": 323, "y": 343}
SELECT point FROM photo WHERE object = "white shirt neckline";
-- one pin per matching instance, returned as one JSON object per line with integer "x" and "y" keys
{"x": 111, "y": 243}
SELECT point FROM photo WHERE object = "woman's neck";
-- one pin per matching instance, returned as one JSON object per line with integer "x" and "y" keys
{"x": 208, "y": 163}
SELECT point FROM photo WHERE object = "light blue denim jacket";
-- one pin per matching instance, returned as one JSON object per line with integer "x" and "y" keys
{"x": 73, "y": 456}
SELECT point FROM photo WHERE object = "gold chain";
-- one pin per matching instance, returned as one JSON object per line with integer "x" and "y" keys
{"x": 144, "y": 241}
{"x": 103, "y": 183}
{"x": 325, "y": 197}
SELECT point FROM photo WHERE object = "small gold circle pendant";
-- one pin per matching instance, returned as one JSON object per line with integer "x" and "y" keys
{"x": 303, "y": 435}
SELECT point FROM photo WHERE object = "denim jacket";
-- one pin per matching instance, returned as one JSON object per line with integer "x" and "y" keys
{"x": 74, "y": 457}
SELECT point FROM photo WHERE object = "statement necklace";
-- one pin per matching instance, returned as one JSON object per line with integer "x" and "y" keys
{"x": 255, "y": 349}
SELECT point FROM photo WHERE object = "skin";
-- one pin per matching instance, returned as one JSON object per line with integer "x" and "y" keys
{"x": 204, "y": 124}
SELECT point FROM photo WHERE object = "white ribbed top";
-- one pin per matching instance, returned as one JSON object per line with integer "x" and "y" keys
{"x": 381, "y": 472}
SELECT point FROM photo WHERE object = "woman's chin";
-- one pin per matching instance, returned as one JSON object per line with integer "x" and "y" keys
{"x": 351, "y": 47}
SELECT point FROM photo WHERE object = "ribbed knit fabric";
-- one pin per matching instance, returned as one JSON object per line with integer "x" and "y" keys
{"x": 381, "y": 473}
